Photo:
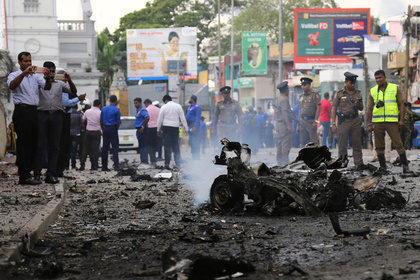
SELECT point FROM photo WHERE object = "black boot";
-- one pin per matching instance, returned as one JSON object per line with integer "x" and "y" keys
{"x": 404, "y": 163}
{"x": 382, "y": 165}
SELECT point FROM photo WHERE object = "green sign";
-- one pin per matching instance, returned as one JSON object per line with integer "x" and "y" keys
{"x": 245, "y": 82}
{"x": 254, "y": 53}
{"x": 314, "y": 37}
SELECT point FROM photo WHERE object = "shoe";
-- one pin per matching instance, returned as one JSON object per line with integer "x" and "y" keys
{"x": 143, "y": 166}
{"x": 51, "y": 180}
{"x": 361, "y": 167}
{"x": 166, "y": 167}
{"x": 60, "y": 175}
{"x": 106, "y": 169}
{"x": 28, "y": 181}
{"x": 37, "y": 178}
{"x": 94, "y": 169}
{"x": 375, "y": 159}
{"x": 81, "y": 168}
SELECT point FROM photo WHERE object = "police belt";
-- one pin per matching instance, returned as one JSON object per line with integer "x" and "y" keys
{"x": 308, "y": 118}
{"x": 51, "y": 112}
{"x": 350, "y": 117}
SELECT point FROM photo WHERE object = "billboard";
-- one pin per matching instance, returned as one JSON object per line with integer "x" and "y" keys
{"x": 254, "y": 53}
{"x": 325, "y": 38}
{"x": 159, "y": 52}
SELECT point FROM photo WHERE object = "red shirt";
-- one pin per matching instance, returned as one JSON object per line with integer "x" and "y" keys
{"x": 325, "y": 112}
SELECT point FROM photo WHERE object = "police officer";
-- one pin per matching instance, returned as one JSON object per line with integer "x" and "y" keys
{"x": 384, "y": 101}
{"x": 229, "y": 113}
{"x": 309, "y": 105}
{"x": 349, "y": 102}
{"x": 193, "y": 119}
{"x": 284, "y": 117}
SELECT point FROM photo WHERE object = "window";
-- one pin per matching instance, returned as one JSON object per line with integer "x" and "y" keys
{"x": 30, "y": 6}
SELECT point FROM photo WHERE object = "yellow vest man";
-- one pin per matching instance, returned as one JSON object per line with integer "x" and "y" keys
{"x": 384, "y": 101}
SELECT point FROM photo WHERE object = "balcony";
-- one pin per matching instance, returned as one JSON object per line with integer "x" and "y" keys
{"x": 72, "y": 25}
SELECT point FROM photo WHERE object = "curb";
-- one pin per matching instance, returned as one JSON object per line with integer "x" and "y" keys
{"x": 33, "y": 229}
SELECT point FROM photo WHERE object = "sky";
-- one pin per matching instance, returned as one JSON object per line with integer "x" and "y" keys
{"x": 107, "y": 13}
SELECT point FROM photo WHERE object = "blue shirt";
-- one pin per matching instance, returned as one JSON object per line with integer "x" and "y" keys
{"x": 203, "y": 127}
{"x": 141, "y": 115}
{"x": 262, "y": 119}
{"x": 67, "y": 102}
{"x": 110, "y": 115}
{"x": 194, "y": 114}
{"x": 27, "y": 92}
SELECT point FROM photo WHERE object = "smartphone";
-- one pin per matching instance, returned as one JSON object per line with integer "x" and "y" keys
{"x": 37, "y": 69}
{"x": 60, "y": 77}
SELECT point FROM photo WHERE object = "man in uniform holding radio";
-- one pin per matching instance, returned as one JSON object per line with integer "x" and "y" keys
{"x": 384, "y": 101}
{"x": 349, "y": 102}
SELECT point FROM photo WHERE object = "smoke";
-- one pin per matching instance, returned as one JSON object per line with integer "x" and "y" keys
{"x": 200, "y": 174}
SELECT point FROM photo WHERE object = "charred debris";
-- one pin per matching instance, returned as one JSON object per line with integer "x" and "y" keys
{"x": 313, "y": 184}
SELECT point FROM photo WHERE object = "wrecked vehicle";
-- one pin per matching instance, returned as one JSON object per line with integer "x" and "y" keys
{"x": 293, "y": 188}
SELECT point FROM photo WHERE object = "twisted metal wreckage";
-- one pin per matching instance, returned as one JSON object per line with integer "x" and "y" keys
{"x": 312, "y": 184}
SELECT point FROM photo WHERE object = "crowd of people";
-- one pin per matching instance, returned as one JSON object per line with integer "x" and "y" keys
{"x": 387, "y": 114}
{"x": 51, "y": 132}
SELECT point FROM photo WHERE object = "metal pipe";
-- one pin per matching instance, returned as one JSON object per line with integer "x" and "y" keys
{"x": 231, "y": 52}
{"x": 280, "y": 42}
{"x": 218, "y": 39}
{"x": 5, "y": 24}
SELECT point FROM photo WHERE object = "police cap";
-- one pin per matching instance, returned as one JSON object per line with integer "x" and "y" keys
{"x": 225, "y": 89}
{"x": 306, "y": 80}
{"x": 350, "y": 77}
{"x": 282, "y": 86}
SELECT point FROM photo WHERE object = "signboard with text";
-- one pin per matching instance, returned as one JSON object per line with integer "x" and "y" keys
{"x": 254, "y": 53}
{"x": 150, "y": 51}
{"x": 325, "y": 38}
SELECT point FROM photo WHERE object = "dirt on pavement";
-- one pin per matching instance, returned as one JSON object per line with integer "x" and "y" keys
{"x": 112, "y": 228}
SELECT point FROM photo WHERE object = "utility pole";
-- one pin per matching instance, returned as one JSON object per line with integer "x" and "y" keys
{"x": 231, "y": 52}
{"x": 219, "y": 82}
{"x": 365, "y": 77}
{"x": 280, "y": 44}
{"x": 407, "y": 51}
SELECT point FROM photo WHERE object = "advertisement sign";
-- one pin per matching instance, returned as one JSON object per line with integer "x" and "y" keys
{"x": 245, "y": 82}
{"x": 325, "y": 38}
{"x": 150, "y": 51}
{"x": 254, "y": 53}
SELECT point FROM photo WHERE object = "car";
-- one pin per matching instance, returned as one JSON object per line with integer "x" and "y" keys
{"x": 127, "y": 134}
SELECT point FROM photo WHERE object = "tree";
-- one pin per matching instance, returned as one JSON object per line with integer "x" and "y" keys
{"x": 110, "y": 56}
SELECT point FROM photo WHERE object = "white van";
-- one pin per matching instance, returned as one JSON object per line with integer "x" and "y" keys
{"x": 127, "y": 134}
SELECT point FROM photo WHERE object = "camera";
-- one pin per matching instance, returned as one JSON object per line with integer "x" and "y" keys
{"x": 379, "y": 104}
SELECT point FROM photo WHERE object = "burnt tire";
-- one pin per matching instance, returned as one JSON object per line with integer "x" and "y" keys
{"x": 225, "y": 193}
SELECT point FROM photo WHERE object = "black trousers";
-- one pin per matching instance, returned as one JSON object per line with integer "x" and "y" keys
{"x": 151, "y": 144}
{"x": 64, "y": 150}
{"x": 92, "y": 145}
{"x": 25, "y": 120}
{"x": 49, "y": 129}
{"x": 171, "y": 144}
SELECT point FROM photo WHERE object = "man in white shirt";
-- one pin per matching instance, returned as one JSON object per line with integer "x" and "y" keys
{"x": 91, "y": 122}
{"x": 170, "y": 115}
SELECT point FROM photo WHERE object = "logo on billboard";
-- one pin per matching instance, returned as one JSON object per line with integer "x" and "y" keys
{"x": 313, "y": 39}
{"x": 358, "y": 25}
{"x": 189, "y": 31}
{"x": 323, "y": 25}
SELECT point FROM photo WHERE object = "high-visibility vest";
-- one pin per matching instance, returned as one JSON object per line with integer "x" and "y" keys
{"x": 388, "y": 112}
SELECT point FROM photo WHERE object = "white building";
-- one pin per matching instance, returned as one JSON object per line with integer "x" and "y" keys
{"x": 32, "y": 25}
